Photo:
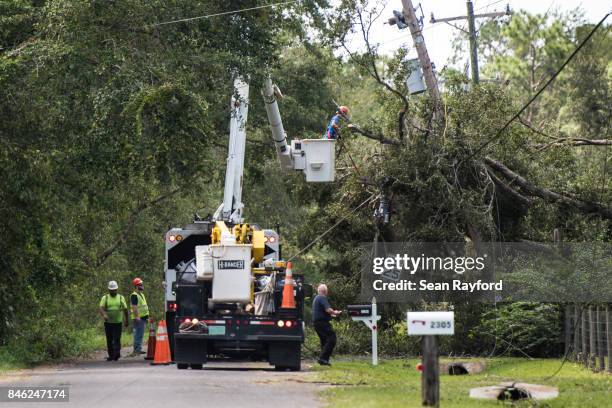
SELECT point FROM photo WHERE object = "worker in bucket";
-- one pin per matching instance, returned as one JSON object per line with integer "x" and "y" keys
{"x": 333, "y": 129}
{"x": 140, "y": 314}
{"x": 322, "y": 312}
{"x": 114, "y": 311}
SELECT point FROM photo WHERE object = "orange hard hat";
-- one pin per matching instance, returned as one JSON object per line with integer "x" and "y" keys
{"x": 344, "y": 110}
{"x": 137, "y": 281}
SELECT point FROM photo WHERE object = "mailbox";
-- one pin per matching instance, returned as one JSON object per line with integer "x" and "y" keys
{"x": 360, "y": 310}
{"x": 369, "y": 316}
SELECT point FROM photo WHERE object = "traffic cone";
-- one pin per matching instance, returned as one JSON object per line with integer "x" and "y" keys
{"x": 288, "y": 298}
{"x": 162, "y": 346}
{"x": 151, "y": 342}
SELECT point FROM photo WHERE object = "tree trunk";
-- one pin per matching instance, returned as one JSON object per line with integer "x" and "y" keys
{"x": 568, "y": 328}
{"x": 601, "y": 338}
{"x": 585, "y": 338}
{"x": 592, "y": 340}
{"x": 609, "y": 335}
{"x": 576, "y": 352}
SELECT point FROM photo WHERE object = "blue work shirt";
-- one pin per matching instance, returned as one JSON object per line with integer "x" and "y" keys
{"x": 333, "y": 129}
{"x": 319, "y": 306}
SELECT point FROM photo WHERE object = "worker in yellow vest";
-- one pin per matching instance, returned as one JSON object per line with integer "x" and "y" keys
{"x": 113, "y": 309}
{"x": 140, "y": 314}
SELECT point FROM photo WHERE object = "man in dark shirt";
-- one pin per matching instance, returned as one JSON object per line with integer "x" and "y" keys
{"x": 322, "y": 312}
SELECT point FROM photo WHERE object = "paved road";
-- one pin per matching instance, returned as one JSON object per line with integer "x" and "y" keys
{"x": 133, "y": 382}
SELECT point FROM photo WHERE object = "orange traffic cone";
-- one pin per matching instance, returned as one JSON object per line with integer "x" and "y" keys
{"x": 151, "y": 342}
{"x": 288, "y": 298}
{"x": 162, "y": 346}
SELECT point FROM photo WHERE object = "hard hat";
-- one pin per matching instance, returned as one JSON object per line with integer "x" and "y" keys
{"x": 137, "y": 281}
{"x": 344, "y": 111}
{"x": 112, "y": 285}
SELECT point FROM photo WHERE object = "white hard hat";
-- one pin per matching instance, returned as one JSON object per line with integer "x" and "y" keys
{"x": 112, "y": 285}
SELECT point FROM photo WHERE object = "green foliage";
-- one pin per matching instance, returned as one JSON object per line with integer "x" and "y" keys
{"x": 525, "y": 328}
{"x": 112, "y": 131}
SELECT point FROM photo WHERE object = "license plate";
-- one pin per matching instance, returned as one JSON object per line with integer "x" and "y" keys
{"x": 216, "y": 330}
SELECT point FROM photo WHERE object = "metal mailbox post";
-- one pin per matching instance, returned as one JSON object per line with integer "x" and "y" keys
{"x": 369, "y": 315}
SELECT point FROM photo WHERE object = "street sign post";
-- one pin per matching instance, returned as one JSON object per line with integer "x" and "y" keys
{"x": 369, "y": 315}
{"x": 429, "y": 325}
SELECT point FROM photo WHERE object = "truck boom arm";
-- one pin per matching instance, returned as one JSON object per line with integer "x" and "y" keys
{"x": 283, "y": 151}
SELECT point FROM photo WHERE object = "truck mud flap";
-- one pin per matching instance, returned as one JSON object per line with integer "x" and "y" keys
{"x": 284, "y": 354}
{"x": 189, "y": 349}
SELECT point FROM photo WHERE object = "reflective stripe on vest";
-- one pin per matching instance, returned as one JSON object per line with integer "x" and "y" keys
{"x": 143, "y": 309}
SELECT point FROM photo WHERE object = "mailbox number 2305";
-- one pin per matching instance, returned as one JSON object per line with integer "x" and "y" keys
{"x": 440, "y": 325}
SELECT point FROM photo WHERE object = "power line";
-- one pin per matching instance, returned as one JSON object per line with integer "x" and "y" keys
{"x": 183, "y": 20}
{"x": 314, "y": 241}
{"x": 537, "y": 94}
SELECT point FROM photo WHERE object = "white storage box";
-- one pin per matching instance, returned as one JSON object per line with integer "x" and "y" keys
{"x": 232, "y": 273}
{"x": 320, "y": 159}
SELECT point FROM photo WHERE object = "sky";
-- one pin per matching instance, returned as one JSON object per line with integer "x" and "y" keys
{"x": 439, "y": 36}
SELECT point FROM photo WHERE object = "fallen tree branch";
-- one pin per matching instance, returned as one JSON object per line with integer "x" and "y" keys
{"x": 571, "y": 141}
{"x": 563, "y": 141}
{"x": 380, "y": 138}
{"x": 586, "y": 207}
{"x": 510, "y": 191}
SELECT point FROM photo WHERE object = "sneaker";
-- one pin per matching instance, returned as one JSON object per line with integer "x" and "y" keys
{"x": 142, "y": 352}
{"x": 323, "y": 362}
{"x": 109, "y": 359}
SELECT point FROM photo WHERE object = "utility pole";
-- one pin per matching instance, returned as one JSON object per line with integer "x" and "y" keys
{"x": 471, "y": 19}
{"x": 473, "y": 46}
{"x": 408, "y": 18}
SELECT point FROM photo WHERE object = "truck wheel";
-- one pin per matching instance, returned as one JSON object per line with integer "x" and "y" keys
{"x": 196, "y": 366}
{"x": 182, "y": 366}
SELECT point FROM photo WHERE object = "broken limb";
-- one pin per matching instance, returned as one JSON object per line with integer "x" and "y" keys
{"x": 550, "y": 196}
{"x": 369, "y": 135}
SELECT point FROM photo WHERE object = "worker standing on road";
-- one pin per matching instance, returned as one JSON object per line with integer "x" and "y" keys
{"x": 113, "y": 309}
{"x": 333, "y": 129}
{"x": 140, "y": 314}
{"x": 322, "y": 312}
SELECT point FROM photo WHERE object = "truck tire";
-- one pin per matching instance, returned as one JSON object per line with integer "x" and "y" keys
{"x": 196, "y": 366}
{"x": 182, "y": 366}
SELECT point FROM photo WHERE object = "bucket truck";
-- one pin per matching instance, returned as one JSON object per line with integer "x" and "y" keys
{"x": 224, "y": 278}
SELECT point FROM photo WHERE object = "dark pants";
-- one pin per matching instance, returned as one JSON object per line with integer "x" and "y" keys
{"x": 327, "y": 337}
{"x": 113, "y": 339}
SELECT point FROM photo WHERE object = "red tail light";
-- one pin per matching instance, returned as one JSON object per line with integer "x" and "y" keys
{"x": 288, "y": 323}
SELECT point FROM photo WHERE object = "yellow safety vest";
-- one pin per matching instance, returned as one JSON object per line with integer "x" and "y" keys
{"x": 143, "y": 309}
{"x": 114, "y": 307}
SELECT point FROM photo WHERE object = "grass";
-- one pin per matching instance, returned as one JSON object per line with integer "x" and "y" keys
{"x": 396, "y": 383}
{"x": 84, "y": 344}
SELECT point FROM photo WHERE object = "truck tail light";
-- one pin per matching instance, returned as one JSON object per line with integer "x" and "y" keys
{"x": 280, "y": 323}
{"x": 288, "y": 323}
